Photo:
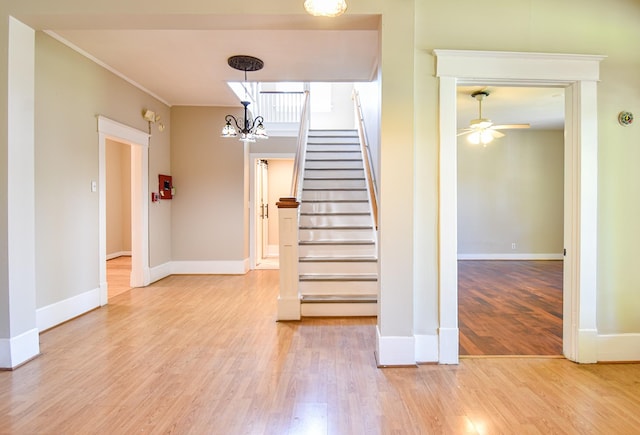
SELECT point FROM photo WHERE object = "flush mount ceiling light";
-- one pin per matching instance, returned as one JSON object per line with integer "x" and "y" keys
{"x": 249, "y": 129}
{"x": 325, "y": 8}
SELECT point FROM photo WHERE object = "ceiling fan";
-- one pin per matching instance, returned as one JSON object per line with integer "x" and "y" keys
{"x": 482, "y": 130}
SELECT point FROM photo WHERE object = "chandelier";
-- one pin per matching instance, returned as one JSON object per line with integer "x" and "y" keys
{"x": 249, "y": 129}
{"x": 325, "y": 8}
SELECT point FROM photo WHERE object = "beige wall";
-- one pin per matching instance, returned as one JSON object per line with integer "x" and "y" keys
{"x": 408, "y": 178}
{"x": 280, "y": 174}
{"x": 70, "y": 91}
{"x": 208, "y": 221}
{"x": 511, "y": 191}
{"x": 118, "y": 193}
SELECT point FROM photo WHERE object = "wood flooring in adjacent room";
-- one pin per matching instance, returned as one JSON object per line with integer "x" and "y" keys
{"x": 198, "y": 354}
{"x": 510, "y": 307}
{"x": 118, "y": 275}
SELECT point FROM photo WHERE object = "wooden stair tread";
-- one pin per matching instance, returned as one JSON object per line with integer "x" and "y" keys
{"x": 332, "y": 299}
{"x": 338, "y": 259}
{"x": 336, "y": 242}
{"x": 337, "y": 227}
{"x": 345, "y": 213}
{"x": 343, "y": 277}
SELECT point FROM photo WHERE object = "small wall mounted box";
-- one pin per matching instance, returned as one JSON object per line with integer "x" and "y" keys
{"x": 165, "y": 186}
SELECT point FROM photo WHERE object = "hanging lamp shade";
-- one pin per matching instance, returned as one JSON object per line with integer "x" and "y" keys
{"x": 325, "y": 8}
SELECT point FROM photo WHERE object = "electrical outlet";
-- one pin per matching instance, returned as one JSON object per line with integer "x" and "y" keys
{"x": 513, "y": 246}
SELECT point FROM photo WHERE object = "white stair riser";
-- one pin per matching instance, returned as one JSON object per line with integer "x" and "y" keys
{"x": 339, "y": 310}
{"x": 338, "y": 267}
{"x": 334, "y": 173}
{"x": 334, "y": 195}
{"x": 340, "y": 250}
{"x": 340, "y": 221}
{"x": 334, "y": 164}
{"x": 328, "y": 155}
{"x": 338, "y": 288}
{"x": 343, "y": 132}
{"x": 312, "y": 148}
{"x": 334, "y": 235}
{"x": 337, "y": 140}
{"x": 334, "y": 207}
{"x": 334, "y": 184}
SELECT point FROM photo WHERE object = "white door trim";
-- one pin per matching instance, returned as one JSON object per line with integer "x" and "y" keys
{"x": 578, "y": 74}
{"x": 139, "y": 142}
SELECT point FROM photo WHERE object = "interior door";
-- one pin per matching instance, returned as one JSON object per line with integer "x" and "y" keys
{"x": 262, "y": 210}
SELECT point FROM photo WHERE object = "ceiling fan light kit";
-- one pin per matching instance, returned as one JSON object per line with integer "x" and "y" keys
{"x": 482, "y": 130}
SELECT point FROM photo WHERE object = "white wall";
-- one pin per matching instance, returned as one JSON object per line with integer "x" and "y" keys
{"x": 511, "y": 191}
{"x": 280, "y": 175}
{"x": 340, "y": 113}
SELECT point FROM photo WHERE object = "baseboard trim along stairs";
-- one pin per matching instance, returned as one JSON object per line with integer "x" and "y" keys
{"x": 338, "y": 265}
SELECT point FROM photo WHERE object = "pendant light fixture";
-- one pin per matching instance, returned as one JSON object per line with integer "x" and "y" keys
{"x": 325, "y": 8}
{"x": 248, "y": 129}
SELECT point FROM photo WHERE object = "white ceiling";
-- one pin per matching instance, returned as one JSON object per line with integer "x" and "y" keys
{"x": 543, "y": 108}
{"x": 184, "y": 62}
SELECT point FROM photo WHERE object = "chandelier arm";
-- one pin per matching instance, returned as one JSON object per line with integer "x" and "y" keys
{"x": 228, "y": 119}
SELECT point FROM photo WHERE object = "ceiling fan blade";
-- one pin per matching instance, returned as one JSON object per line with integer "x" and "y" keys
{"x": 496, "y": 134}
{"x": 465, "y": 131}
{"x": 510, "y": 126}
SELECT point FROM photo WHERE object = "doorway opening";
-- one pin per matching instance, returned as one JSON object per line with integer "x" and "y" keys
{"x": 270, "y": 180}
{"x": 510, "y": 222}
{"x": 578, "y": 75}
{"x": 118, "y": 197}
{"x": 138, "y": 143}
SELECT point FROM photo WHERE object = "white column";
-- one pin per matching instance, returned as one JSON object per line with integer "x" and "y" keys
{"x": 288, "y": 297}
{"x": 18, "y": 330}
{"x": 448, "y": 207}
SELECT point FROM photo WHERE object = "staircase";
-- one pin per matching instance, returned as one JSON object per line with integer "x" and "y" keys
{"x": 338, "y": 265}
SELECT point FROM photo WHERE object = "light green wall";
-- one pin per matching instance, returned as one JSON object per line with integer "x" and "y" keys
{"x": 570, "y": 26}
{"x": 70, "y": 91}
{"x": 511, "y": 191}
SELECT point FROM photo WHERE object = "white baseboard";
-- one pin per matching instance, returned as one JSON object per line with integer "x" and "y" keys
{"x": 273, "y": 250}
{"x": 17, "y": 350}
{"x": 426, "y": 348}
{"x": 619, "y": 347}
{"x": 448, "y": 345}
{"x": 395, "y": 351}
{"x": 159, "y": 272}
{"x": 510, "y": 256}
{"x": 118, "y": 254}
{"x": 210, "y": 267}
{"x": 59, "y": 312}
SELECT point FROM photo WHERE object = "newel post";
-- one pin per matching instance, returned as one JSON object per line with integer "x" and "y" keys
{"x": 288, "y": 297}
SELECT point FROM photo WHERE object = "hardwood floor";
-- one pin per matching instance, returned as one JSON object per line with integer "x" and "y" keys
{"x": 204, "y": 355}
{"x": 510, "y": 307}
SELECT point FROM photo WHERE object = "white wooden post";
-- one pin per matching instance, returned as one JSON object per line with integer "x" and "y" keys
{"x": 288, "y": 297}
